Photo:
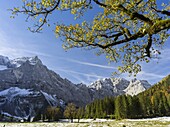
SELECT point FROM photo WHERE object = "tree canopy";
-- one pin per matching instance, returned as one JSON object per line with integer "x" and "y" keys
{"x": 126, "y": 31}
{"x": 70, "y": 111}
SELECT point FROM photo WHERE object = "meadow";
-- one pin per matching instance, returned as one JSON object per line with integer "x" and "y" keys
{"x": 154, "y": 122}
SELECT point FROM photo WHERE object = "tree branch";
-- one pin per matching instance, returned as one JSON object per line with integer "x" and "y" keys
{"x": 162, "y": 12}
{"x": 111, "y": 36}
{"x": 154, "y": 29}
{"x": 149, "y": 46}
{"x": 135, "y": 15}
{"x": 99, "y": 3}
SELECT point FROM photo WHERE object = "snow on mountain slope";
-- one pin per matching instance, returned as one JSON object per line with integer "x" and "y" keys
{"x": 4, "y": 60}
{"x": 2, "y": 67}
{"x": 117, "y": 86}
{"x": 19, "y": 61}
{"x": 15, "y": 63}
{"x": 108, "y": 87}
{"x": 15, "y": 91}
{"x": 137, "y": 86}
{"x": 52, "y": 100}
{"x": 24, "y": 103}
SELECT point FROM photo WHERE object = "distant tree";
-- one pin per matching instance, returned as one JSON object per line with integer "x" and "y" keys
{"x": 136, "y": 107}
{"x": 70, "y": 111}
{"x": 37, "y": 117}
{"x": 80, "y": 113}
{"x": 88, "y": 110}
{"x": 165, "y": 103}
{"x": 156, "y": 100}
{"x": 1, "y": 116}
{"x": 53, "y": 113}
{"x": 130, "y": 109}
{"x": 121, "y": 107}
{"x": 129, "y": 31}
{"x": 110, "y": 106}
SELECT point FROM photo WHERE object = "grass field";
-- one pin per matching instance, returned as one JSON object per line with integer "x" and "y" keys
{"x": 156, "y": 122}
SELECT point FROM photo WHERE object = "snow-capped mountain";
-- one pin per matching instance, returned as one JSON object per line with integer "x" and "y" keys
{"x": 5, "y": 61}
{"x": 19, "y": 61}
{"x": 118, "y": 86}
{"x": 28, "y": 87}
{"x": 137, "y": 86}
{"x": 108, "y": 87}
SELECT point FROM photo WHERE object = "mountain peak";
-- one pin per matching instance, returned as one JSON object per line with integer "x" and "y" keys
{"x": 19, "y": 61}
{"x": 4, "y": 60}
{"x": 136, "y": 86}
{"x": 6, "y": 63}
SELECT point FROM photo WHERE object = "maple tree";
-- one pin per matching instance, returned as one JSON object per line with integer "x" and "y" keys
{"x": 126, "y": 31}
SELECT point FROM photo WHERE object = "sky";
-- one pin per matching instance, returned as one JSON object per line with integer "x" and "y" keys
{"x": 77, "y": 65}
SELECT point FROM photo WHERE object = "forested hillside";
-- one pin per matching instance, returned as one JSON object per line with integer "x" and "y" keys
{"x": 150, "y": 103}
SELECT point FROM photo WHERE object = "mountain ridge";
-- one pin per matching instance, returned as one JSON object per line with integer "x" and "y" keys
{"x": 29, "y": 73}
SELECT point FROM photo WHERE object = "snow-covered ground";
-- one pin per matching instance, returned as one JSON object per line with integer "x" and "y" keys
{"x": 152, "y": 119}
{"x": 153, "y": 122}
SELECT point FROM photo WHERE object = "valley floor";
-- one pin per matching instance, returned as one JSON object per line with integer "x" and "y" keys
{"x": 154, "y": 122}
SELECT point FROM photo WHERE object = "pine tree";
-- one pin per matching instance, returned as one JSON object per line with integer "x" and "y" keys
{"x": 121, "y": 107}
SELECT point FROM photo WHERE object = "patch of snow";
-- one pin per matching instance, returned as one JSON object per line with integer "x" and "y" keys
{"x": 62, "y": 102}
{"x": 9, "y": 115}
{"x": 33, "y": 60}
{"x": 165, "y": 118}
{"x": 2, "y": 67}
{"x": 51, "y": 99}
{"x": 110, "y": 84}
{"x": 19, "y": 61}
{"x": 15, "y": 91}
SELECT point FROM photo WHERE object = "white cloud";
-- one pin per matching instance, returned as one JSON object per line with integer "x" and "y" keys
{"x": 150, "y": 75}
{"x": 89, "y": 64}
{"x": 80, "y": 73}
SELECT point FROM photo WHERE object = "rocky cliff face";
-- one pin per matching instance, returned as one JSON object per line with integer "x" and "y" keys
{"x": 27, "y": 87}
{"x": 22, "y": 103}
{"x": 118, "y": 86}
{"x": 4, "y": 61}
{"x": 108, "y": 87}
{"x": 137, "y": 86}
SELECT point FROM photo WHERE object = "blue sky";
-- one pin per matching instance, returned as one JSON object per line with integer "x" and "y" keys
{"x": 76, "y": 64}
